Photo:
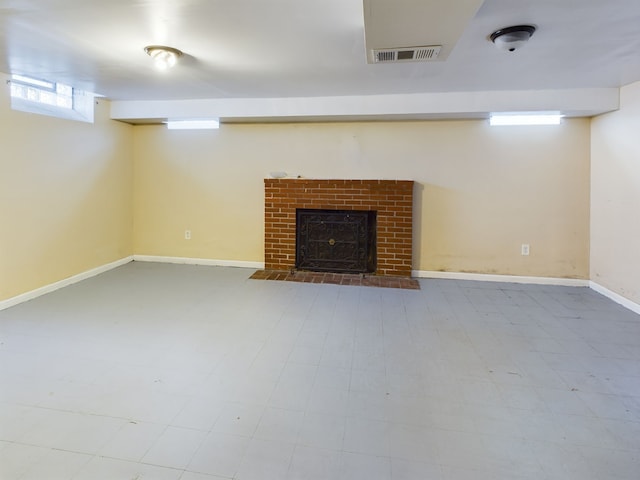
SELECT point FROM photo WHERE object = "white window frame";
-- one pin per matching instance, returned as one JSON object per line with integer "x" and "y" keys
{"x": 44, "y": 97}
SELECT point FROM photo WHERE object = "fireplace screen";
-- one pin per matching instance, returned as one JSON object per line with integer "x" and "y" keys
{"x": 341, "y": 241}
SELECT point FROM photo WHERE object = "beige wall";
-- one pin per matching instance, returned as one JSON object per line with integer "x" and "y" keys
{"x": 615, "y": 197}
{"x": 65, "y": 196}
{"x": 481, "y": 192}
{"x": 74, "y": 196}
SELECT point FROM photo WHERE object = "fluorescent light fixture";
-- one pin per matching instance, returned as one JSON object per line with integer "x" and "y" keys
{"x": 208, "y": 124}
{"x": 510, "y": 119}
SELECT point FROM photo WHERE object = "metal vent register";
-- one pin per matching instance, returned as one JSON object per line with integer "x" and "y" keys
{"x": 409, "y": 54}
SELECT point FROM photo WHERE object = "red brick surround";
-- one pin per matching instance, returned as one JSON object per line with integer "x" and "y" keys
{"x": 392, "y": 199}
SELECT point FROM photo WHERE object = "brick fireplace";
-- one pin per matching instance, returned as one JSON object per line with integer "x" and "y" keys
{"x": 392, "y": 200}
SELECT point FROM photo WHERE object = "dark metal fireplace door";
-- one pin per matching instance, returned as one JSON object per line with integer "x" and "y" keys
{"x": 341, "y": 241}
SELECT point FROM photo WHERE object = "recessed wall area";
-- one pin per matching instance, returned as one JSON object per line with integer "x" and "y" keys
{"x": 480, "y": 192}
{"x": 391, "y": 199}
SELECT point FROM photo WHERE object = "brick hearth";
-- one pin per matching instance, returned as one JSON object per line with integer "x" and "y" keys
{"x": 391, "y": 199}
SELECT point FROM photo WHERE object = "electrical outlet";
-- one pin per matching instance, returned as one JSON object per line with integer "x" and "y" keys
{"x": 187, "y": 234}
{"x": 524, "y": 250}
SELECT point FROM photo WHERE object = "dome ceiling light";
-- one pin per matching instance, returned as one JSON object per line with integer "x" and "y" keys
{"x": 163, "y": 57}
{"x": 512, "y": 38}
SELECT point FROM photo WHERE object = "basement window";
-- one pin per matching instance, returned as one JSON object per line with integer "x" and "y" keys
{"x": 54, "y": 99}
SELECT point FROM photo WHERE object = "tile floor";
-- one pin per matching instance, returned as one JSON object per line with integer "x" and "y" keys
{"x": 176, "y": 372}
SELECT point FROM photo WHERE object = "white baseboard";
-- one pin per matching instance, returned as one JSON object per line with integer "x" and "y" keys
{"x": 625, "y": 302}
{"x": 483, "y": 277}
{"x": 24, "y": 297}
{"x": 198, "y": 261}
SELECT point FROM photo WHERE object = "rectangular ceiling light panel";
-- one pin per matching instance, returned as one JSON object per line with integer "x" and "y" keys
{"x": 209, "y": 124}
{"x": 501, "y": 120}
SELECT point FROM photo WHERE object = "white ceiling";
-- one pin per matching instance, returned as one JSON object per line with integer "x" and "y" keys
{"x": 280, "y": 49}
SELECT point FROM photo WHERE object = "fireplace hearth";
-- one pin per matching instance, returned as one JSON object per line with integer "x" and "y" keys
{"x": 340, "y": 241}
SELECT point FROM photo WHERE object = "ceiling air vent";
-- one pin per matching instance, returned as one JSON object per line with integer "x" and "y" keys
{"x": 409, "y": 54}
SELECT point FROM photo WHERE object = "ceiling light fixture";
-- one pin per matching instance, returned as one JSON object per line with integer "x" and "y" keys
{"x": 512, "y": 38}
{"x": 163, "y": 57}
{"x": 201, "y": 124}
{"x": 511, "y": 119}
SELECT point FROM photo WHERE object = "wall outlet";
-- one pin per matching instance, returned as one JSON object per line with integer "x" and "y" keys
{"x": 187, "y": 234}
{"x": 524, "y": 250}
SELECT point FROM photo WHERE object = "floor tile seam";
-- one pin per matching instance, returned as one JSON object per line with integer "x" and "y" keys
{"x": 558, "y": 424}
{"x": 122, "y": 428}
{"x": 288, "y": 473}
{"x": 634, "y": 452}
{"x": 170, "y": 422}
{"x": 211, "y": 429}
{"x": 213, "y": 476}
{"x": 269, "y": 339}
{"x": 390, "y": 458}
{"x": 570, "y": 390}
{"x": 353, "y": 340}
{"x": 316, "y": 368}
{"x": 197, "y": 450}
{"x": 55, "y": 449}
{"x": 64, "y": 436}
{"x": 344, "y": 426}
{"x": 353, "y": 452}
{"x": 263, "y": 410}
{"x": 497, "y": 472}
{"x": 246, "y": 451}
{"x": 341, "y": 453}
{"x": 87, "y": 413}
{"x": 77, "y": 469}
{"x": 193, "y": 454}
{"x": 135, "y": 462}
{"x": 386, "y": 346}
{"x": 153, "y": 444}
{"x": 268, "y": 438}
{"x": 331, "y": 316}
{"x": 344, "y": 429}
{"x": 259, "y": 437}
{"x": 297, "y": 443}
{"x": 442, "y": 430}
{"x": 177, "y": 469}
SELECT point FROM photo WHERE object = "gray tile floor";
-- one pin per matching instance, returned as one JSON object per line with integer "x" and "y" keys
{"x": 180, "y": 372}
